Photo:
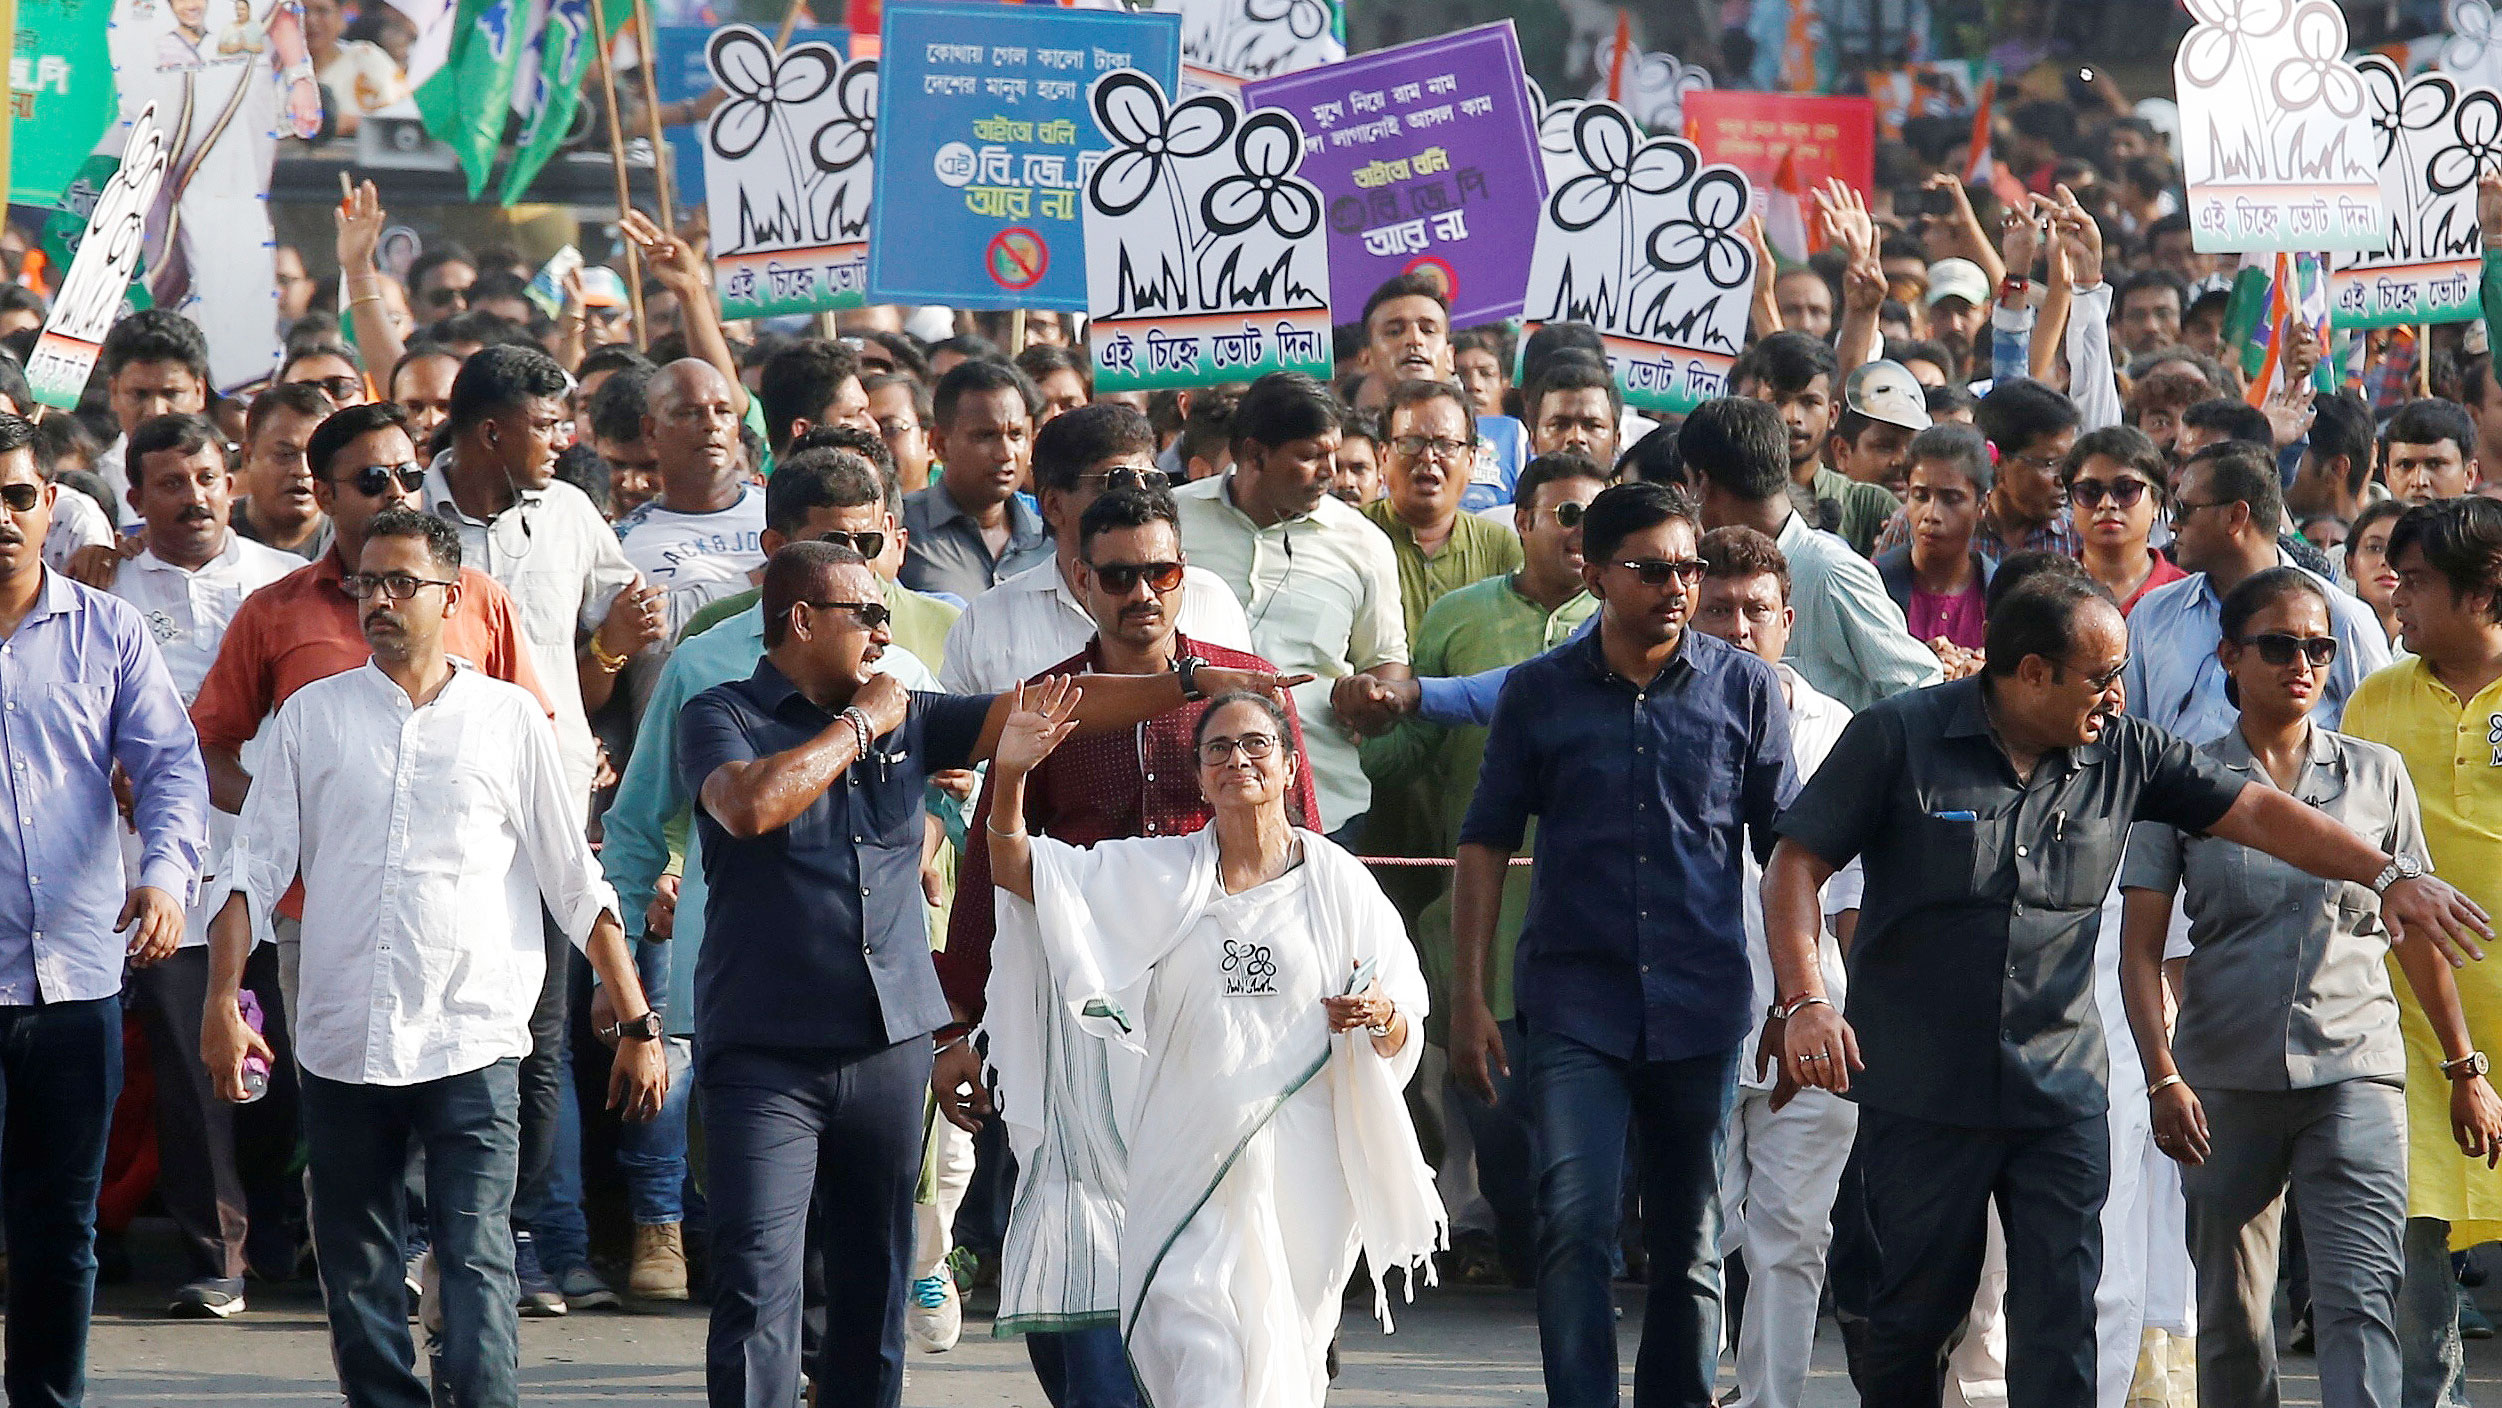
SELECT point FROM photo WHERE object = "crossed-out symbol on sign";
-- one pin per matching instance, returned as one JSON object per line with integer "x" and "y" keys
{"x": 1017, "y": 258}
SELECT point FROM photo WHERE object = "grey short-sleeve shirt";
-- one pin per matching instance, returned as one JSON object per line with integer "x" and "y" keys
{"x": 2286, "y": 986}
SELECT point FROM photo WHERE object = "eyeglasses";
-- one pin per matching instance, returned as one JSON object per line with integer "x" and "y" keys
{"x": 2040, "y": 461}
{"x": 1125, "y": 477}
{"x": 1569, "y": 515}
{"x": 1440, "y": 447}
{"x": 870, "y": 614}
{"x": 20, "y": 497}
{"x": 2123, "y": 493}
{"x": 374, "y": 480}
{"x": 2279, "y": 648}
{"x": 337, "y": 388}
{"x": 399, "y": 586}
{"x": 869, "y": 543}
{"x": 1216, "y": 752}
{"x": 1122, "y": 578}
{"x": 1655, "y": 571}
{"x": 2182, "y": 511}
{"x": 2102, "y": 680}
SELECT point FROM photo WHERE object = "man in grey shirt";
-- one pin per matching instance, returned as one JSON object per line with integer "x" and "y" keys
{"x": 974, "y": 527}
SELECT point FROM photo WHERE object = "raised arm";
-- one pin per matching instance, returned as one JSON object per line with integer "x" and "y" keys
{"x": 1038, "y": 719}
{"x": 2265, "y": 819}
{"x": 1109, "y": 703}
{"x": 681, "y": 269}
{"x": 360, "y": 219}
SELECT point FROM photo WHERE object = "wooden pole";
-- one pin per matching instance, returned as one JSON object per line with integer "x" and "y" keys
{"x": 1016, "y": 332}
{"x": 2423, "y": 360}
{"x": 651, "y": 115}
{"x": 781, "y": 41}
{"x": 617, "y": 163}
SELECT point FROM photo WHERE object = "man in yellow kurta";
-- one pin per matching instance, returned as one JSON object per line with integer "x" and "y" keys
{"x": 2448, "y": 556}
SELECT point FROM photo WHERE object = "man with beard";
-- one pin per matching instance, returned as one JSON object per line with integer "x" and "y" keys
{"x": 971, "y": 530}
{"x": 701, "y": 537}
{"x": 1129, "y": 573}
{"x": 187, "y": 583}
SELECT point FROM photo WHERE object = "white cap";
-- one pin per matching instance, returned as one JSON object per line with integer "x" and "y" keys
{"x": 1958, "y": 278}
{"x": 1887, "y": 392}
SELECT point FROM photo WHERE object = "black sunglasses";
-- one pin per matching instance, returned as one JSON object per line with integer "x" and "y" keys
{"x": 374, "y": 480}
{"x": 446, "y": 297}
{"x": 870, "y": 614}
{"x": 20, "y": 497}
{"x": 1568, "y": 515}
{"x": 1122, "y": 578}
{"x": 1125, "y": 477}
{"x": 337, "y": 388}
{"x": 869, "y": 543}
{"x": 2123, "y": 493}
{"x": 2102, "y": 680}
{"x": 2279, "y": 648}
{"x": 1655, "y": 571}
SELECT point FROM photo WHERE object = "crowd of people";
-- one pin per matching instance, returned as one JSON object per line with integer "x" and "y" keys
{"x": 1926, "y": 836}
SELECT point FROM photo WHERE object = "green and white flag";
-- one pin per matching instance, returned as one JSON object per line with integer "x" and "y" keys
{"x": 466, "y": 102}
{"x": 548, "y": 89}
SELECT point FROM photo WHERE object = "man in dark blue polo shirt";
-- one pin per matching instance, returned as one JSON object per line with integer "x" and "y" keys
{"x": 814, "y": 994}
{"x": 1645, "y": 750}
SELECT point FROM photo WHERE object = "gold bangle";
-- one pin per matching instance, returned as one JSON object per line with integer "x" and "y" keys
{"x": 609, "y": 664}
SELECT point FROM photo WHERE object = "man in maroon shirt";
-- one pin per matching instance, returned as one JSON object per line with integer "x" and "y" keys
{"x": 1144, "y": 783}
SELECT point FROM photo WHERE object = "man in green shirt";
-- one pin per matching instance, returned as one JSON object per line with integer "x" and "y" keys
{"x": 1432, "y": 450}
{"x": 1499, "y": 621}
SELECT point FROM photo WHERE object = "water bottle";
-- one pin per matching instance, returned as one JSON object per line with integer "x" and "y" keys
{"x": 255, "y": 1069}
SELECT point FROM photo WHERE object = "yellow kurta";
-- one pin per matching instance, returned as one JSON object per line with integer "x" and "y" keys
{"x": 2454, "y": 754}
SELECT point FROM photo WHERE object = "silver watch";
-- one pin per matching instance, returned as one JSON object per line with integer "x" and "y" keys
{"x": 2399, "y": 868}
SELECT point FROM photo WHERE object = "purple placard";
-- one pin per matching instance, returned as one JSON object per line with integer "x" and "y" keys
{"x": 1427, "y": 156}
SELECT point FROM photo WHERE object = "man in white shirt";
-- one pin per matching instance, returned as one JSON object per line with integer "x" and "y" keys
{"x": 1319, "y": 583}
{"x": 1786, "y": 1149}
{"x": 186, "y": 583}
{"x": 702, "y": 536}
{"x": 427, "y": 809}
{"x": 1034, "y": 620}
{"x": 155, "y": 363}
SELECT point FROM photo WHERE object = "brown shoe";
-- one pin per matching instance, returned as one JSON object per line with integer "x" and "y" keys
{"x": 659, "y": 1263}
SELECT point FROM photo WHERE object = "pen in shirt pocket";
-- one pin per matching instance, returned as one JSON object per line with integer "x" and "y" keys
{"x": 1954, "y": 816}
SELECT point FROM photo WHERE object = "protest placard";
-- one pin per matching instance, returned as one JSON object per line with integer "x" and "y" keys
{"x": 1258, "y": 38}
{"x": 1647, "y": 244}
{"x": 2428, "y": 136}
{"x": 788, "y": 162}
{"x": 684, "y": 75}
{"x": 985, "y": 141}
{"x": 1205, "y": 257}
{"x": 1756, "y": 132}
{"x": 90, "y": 298}
{"x": 2276, "y": 133}
{"x": 1651, "y": 88}
{"x": 1409, "y": 147}
{"x": 2471, "y": 50}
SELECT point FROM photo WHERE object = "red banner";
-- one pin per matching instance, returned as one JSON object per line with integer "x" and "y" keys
{"x": 1755, "y": 131}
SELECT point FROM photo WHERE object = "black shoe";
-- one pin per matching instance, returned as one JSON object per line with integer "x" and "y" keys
{"x": 210, "y": 1299}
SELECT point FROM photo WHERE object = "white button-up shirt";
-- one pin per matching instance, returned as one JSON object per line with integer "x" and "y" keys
{"x": 1033, "y": 621}
{"x": 427, "y": 839}
{"x": 186, "y": 614}
{"x": 561, "y": 563}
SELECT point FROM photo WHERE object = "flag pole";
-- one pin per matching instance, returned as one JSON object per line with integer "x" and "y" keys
{"x": 651, "y": 114}
{"x": 781, "y": 40}
{"x": 617, "y": 163}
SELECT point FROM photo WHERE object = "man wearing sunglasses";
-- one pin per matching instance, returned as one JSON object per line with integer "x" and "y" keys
{"x": 1015, "y": 630}
{"x": 2225, "y": 524}
{"x": 85, "y": 692}
{"x": 1139, "y": 782}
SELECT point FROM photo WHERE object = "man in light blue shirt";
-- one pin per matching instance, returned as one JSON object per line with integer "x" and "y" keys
{"x": 82, "y": 688}
{"x": 2225, "y": 521}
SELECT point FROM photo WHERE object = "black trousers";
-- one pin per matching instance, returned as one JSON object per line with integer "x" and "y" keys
{"x": 1926, "y": 1190}
{"x": 542, "y": 1075}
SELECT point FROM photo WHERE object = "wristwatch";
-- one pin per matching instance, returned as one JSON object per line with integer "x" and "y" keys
{"x": 643, "y": 1028}
{"x": 1187, "y": 667}
{"x": 2399, "y": 868}
{"x": 2470, "y": 1065}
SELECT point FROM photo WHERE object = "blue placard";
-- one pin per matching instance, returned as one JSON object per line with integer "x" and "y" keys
{"x": 984, "y": 144}
{"x": 681, "y": 75}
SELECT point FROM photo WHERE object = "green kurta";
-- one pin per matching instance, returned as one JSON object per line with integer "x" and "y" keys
{"x": 1478, "y": 548}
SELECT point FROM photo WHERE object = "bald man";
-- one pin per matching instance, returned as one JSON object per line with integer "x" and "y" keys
{"x": 703, "y": 536}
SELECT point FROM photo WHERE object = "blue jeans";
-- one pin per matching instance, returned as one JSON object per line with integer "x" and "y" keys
{"x": 1582, "y": 1104}
{"x": 470, "y": 1128}
{"x": 1083, "y": 1368}
{"x": 61, "y": 1066}
{"x": 2433, "y": 1363}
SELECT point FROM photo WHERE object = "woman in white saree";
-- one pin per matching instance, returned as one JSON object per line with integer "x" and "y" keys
{"x": 1276, "y": 999}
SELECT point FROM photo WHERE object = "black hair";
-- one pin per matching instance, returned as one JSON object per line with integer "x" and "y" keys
{"x": 13, "y": 387}
{"x": 2018, "y": 569}
{"x": 1283, "y": 407}
{"x": 442, "y": 540}
{"x": 614, "y": 356}
{"x": 2461, "y": 539}
{"x": 435, "y": 257}
{"x": 616, "y": 409}
{"x": 2256, "y": 592}
{"x": 300, "y": 397}
{"x": 1572, "y": 372}
{"x": 904, "y": 350}
{"x": 1275, "y": 711}
{"x": 155, "y": 335}
{"x": 1622, "y": 510}
{"x": 2046, "y": 120}
{"x": 2017, "y": 412}
{"x": 814, "y": 479}
{"x": 182, "y": 433}
{"x": 1417, "y": 391}
{"x": 1044, "y": 359}
{"x": 867, "y": 444}
{"x": 2239, "y": 472}
{"x": 1416, "y": 285}
{"x": 2148, "y": 278}
{"x": 1909, "y": 349}
{"x": 580, "y": 465}
{"x": 1122, "y": 508}
{"x": 799, "y": 382}
{"x": 2341, "y": 424}
{"x": 1736, "y": 551}
{"x": 922, "y": 411}
{"x": 499, "y": 379}
{"x": 1087, "y": 435}
{"x": 1656, "y": 458}
{"x": 481, "y": 327}
{"x": 2124, "y": 445}
{"x": 1948, "y": 399}
{"x": 971, "y": 346}
{"x": 343, "y": 427}
{"x": 2231, "y": 417}
{"x": 415, "y": 350}
{"x": 766, "y": 346}
{"x": 1785, "y": 363}
{"x": 1360, "y": 425}
{"x": 791, "y": 573}
{"x": 2429, "y": 421}
{"x": 979, "y": 376}
{"x": 318, "y": 347}
{"x": 1959, "y": 447}
{"x": 1549, "y": 469}
{"x": 2370, "y": 516}
{"x": 18, "y": 298}
{"x": 1738, "y": 445}
{"x": 1207, "y": 432}
{"x": 2039, "y": 619}
{"x": 1553, "y": 338}
{"x": 16, "y": 433}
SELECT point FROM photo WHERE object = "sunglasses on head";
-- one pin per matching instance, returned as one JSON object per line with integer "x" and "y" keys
{"x": 2279, "y": 648}
{"x": 2123, "y": 493}
{"x": 20, "y": 498}
{"x": 1122, "y": 578}
{"x": 374, "y": 480}
{"x": 869, "y": 543}
{"x": 1125, "y": 477}
{"x": 1656, "y": 571}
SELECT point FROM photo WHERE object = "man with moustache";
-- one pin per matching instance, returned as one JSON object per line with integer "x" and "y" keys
{"x": 970, "y": 530}
{"x": 277, "y": 508}
{"x": 698, "y": 540}
{"x": 1433, "y": 450}
{"x": 1142, "y": 782}
{"x": 1407, "y": 337}
{"x": 187, "y": 582}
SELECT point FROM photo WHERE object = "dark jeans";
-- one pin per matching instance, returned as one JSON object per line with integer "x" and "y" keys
{"x": 1506, "y": 1168}
{"x": 1927, "y": 1190}
{"x": 542, "y": 1079}
{"x": 1083, "y": 1368}
{"x": 1583, "y": 1103}
{"x": 61, "y": 1064}
{"x": 779, "y": 1126}
{"x": 468, "y": 1127}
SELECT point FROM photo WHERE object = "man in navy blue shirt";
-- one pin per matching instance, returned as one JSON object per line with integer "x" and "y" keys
{"x": 1644, "y": 750}
{"x": 814, "y": 995}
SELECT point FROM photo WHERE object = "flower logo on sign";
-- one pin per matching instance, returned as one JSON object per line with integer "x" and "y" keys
{"x": 841, "y": 143}
{"x": 2318, "y": 71}
{"x": 2214, "y": 46}
{"x": 2471, "y": 35}
{"x": 1619, "y": 161}
{"x": 1146, "y": 137}
{"x": 760, "y": 84}
{"x": 2477, "y": 127}
{"x": 1266, "y": 188}
{"x": 2400, "y": 107}
{"x": 1305, "y": 19}
{"x": 1710, "y": 239}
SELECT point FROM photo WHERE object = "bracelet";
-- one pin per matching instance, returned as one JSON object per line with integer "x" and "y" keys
{"x": 860, "y": 732}
{"x": 1016, "y": 835}
{"x": 1387, "y": 1027}
{"x": 953, "y": 1042}
{"x": 2164, "y": 1084}
{"x": 1781, "y": 1013}
{"x": 365, "y": 298}
{"x": 608, "y": 664}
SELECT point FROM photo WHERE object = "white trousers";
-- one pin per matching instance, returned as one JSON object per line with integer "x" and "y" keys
{"x": 1777, "y": 1180}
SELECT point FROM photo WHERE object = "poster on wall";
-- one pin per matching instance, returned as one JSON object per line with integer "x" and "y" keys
{"x": 2276, "y": 130}
{"x": 2430, "y": 136}
{"x": 1206, "y": 261}
{"x": 1648, "y": 244}
{"x": 1427, "y": 158}
{"x": 788, "y": 164}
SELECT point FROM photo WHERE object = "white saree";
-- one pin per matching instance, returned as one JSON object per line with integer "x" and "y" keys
{"x": 1258, "y": 1153}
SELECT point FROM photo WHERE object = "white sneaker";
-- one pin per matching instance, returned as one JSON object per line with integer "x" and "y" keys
{"x": 935, "y": 1317}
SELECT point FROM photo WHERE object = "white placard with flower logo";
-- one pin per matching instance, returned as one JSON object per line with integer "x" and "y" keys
{"x": 2431, "y": 137}
{"x": 2472, "y": 50}
{"x": 1644, "y": 242}
{"x": 2276, "y": 130}
{"x": 1256, "y": 38}
{"x": 788, "y": 159}
{"x": 1652, "y": 87}
{"x": 1205, "y": 257}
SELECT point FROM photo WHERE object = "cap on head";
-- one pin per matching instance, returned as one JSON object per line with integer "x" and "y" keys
{"x": 602, "y": 288}
{"x": 1958, "y": 278}
{"x": 1887, "y": 392}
